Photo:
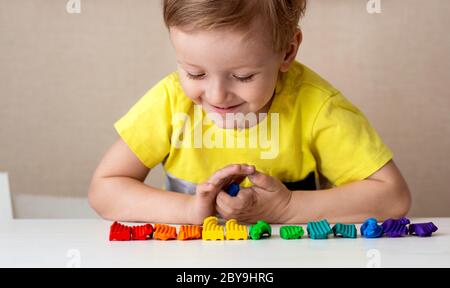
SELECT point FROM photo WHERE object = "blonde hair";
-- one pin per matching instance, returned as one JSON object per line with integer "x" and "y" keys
{"x": 280, "y": 16}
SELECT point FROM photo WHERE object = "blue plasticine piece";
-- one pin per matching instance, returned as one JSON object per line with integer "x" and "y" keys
{"x": 371, "y": 229}
{"x": 319, "y": 230}
{"x": 233, "y": 189}
{"x": 344, "y": 230}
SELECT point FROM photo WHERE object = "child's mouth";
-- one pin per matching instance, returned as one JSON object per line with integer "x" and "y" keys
{"x": 228, "y": 109}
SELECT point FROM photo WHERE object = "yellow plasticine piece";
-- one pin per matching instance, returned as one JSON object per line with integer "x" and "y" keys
{"x": 211, "y": 230}
{"x": 236, "y": 231}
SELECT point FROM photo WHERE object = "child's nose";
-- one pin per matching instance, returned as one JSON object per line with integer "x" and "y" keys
{"x": 216, "y": 92}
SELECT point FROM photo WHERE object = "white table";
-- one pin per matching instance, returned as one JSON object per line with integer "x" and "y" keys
{"x": 84, "y": 243}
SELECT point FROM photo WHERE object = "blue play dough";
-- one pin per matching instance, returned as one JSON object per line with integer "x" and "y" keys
{"x": 233, "y": 189}
{"x": 371, "y": 229}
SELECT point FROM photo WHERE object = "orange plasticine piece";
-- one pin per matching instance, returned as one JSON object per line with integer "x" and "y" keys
{"x": 188, "y": 232}
{"x": 164, "y": 232}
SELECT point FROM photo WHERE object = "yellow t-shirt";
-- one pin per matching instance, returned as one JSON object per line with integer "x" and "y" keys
{"x": 310, "y": 129}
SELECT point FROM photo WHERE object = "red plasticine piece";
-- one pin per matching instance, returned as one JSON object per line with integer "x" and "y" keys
{"x": 119, "y": 232}
{"x": 143, "y": 232}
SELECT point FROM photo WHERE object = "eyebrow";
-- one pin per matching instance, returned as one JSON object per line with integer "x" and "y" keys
{"x": 188, "y": 64}
{"x": 232, "y": 68}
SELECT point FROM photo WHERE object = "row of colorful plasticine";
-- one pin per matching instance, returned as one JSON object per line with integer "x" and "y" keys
{"x": 211, "y": 230}
{"x": 369, "y": 229}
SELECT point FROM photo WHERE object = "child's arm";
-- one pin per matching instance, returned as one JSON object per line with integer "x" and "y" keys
{"x": 117, "y": 191}
{"x": 382, "y": 195}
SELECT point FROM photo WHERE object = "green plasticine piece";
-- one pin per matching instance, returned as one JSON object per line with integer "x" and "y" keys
{"x": 319, "y": 230}
{"x": 344, "y": 230}
{"x": 260, "y": 229}
{"x": 291, "y": 232}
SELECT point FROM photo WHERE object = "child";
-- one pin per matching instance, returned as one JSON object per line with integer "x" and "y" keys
{"x": 241, "y": 109}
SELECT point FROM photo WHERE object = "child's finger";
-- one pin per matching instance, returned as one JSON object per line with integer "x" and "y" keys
{"x": 264, "y": 181}
{"x": 207, "y": 190}
{"x": 246, "y": 197}
{"x": 238, "y": 203}
{"x": 223, "y": 208}
{"x": 223, "y": 199}
{"x": 224, "y": 212}
{"x": 239, "y": 179}
{"x": 222, "y": 176}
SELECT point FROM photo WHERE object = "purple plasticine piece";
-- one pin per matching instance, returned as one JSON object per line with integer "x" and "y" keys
{"x": 396, "y": 227}
{"x": 422, "y": 229}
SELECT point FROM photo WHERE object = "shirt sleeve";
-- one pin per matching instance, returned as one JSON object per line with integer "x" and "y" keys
{"x": 347, "y": 148}
{"x": 146, "y": 127}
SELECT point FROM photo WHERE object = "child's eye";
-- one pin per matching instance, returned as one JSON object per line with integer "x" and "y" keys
{"x": 244, "y": 79}
{"x": 195, "y": 76}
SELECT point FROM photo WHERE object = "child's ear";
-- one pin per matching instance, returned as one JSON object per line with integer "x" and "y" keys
{"x": 291, "y": 51}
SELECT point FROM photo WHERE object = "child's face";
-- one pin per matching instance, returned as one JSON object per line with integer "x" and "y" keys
{"x": 225, "y": 73}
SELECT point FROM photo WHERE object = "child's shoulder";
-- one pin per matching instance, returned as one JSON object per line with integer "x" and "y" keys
{"x": 306, "y": 89}
{"x": 170, "y": 84}
{"x": 301, "y": 78}
{"x": 169, "y": 90}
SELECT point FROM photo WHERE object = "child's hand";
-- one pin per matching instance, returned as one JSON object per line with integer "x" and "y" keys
{"x": 203, "y": 203}
{"x": 267, "y": 200}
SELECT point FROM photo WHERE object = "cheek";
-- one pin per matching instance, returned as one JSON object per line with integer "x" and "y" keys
{"x": 192, "y": 90}
{"x": 260, "y": 93}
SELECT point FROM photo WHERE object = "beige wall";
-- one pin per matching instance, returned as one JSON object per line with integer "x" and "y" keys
{"x": 65, "y": 78}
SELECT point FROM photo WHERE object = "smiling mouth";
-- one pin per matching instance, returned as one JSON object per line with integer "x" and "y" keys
{"x": 226, "y": 109}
